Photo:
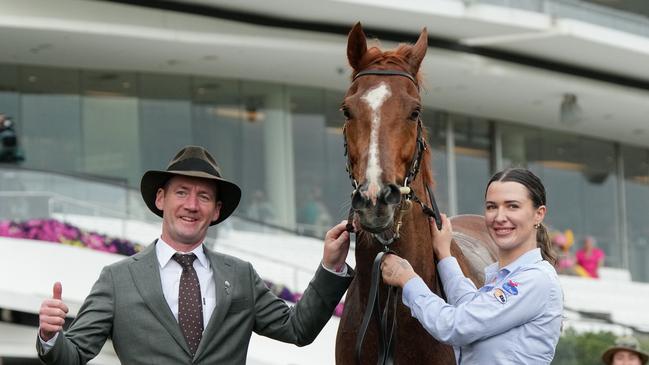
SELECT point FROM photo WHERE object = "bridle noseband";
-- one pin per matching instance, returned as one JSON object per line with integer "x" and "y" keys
{"x": 386, "y": 344}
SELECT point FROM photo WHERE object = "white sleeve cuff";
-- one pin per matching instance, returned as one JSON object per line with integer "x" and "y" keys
{"x": 47, "y": 345}
{"x": 341, "y": 273}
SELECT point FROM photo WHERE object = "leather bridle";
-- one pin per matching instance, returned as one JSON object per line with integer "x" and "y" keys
{"x": 407, "y": 193}
{"x": 386, "y": 330}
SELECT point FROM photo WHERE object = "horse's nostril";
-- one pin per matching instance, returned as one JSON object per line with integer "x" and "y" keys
{"x": 359, "y": 201}
{"x": 390, "y": 194}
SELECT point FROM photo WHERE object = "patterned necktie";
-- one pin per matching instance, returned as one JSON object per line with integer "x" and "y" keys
{"x": 190, "y": 308}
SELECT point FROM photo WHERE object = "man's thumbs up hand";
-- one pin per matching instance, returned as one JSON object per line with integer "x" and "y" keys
{"x": 52, "y": 314}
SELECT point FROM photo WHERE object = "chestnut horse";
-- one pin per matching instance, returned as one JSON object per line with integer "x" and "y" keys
{"x": 389, "y": 166}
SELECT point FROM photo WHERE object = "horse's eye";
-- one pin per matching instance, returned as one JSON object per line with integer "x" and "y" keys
{"x": 346, "y": 113}
{"x": 415, "y": 114}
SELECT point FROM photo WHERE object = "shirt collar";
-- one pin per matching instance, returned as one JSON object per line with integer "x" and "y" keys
{"x": 529, "y": 257}
{"x": 164, "y": 252}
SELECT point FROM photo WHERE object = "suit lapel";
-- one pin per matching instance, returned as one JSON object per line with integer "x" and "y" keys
{"x": 146, "y": 276}
{"x": 223, "y": 279}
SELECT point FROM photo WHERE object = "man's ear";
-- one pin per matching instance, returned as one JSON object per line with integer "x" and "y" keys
{"x": 160, "y": 198}
{"x": 217, "y": 211}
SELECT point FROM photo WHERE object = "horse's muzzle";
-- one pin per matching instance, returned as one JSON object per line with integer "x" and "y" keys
{"x": 376, "y": 217}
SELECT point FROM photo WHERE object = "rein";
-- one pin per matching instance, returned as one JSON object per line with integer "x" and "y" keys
{"x": 386, "y": 330}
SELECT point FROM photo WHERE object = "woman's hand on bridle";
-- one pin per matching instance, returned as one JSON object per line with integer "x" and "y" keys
{"x": 396, "y": 271}
{"x": 442, "y": 238}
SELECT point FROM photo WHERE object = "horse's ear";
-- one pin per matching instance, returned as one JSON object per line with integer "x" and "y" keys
{"x": 356, "y": 46}
{"x": 418, "y": 51}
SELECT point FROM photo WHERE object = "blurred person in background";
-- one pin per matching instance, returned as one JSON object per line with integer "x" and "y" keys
{"x": 626, "y": 351}
{"x": 590, "y": 257}
{"x": 9, "y": 149}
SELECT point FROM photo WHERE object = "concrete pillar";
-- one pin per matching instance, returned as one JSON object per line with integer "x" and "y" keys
{"x": 513, "y": 149}
{"x": 278, "y": 157}
{"x": 451, "y": 168}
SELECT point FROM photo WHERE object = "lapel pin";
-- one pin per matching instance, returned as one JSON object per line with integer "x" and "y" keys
{"x": 227, "y": 287}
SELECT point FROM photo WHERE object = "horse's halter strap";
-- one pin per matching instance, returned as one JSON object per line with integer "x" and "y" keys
{"x": 415, "y": 164}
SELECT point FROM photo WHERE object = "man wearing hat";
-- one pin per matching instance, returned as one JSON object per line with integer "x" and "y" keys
{"x": 177, "y": 302}
{"x": 625, "y": 352}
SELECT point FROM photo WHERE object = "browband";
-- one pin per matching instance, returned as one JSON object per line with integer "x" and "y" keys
{"x": 386, "y": 73}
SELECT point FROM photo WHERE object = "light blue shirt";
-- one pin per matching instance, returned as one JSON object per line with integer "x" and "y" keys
{"x": 515, "y": 318}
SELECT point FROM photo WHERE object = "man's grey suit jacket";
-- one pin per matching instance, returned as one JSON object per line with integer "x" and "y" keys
{"x": 127, "y": 304}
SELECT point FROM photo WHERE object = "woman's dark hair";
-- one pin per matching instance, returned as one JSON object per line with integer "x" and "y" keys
{"x": 536, "y": 192}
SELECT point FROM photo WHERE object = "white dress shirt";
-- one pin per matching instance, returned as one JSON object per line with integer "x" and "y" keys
{"x": 170, "y": 272}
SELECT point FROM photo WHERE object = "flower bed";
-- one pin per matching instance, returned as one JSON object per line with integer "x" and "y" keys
{"x": 51, "y": 230}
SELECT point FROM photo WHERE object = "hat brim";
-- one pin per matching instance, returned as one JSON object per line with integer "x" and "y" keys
{"x": 228, "y": 192}
{"x": 607, "y": 357}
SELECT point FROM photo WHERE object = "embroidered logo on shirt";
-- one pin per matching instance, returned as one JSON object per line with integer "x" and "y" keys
{"x": 500, "y": 295}
{"x": 510, "y": 287}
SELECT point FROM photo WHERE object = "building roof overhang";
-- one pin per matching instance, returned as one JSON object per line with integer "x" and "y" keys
{"x": 484, "y": 60}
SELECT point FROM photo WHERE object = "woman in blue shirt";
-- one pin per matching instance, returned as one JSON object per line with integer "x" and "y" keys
{"x": 515, "y": 318}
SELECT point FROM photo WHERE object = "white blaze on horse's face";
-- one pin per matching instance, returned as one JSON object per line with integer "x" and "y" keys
{"x": 375, "y": 98}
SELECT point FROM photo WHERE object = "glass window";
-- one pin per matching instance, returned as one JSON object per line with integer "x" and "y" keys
{"x": 322, "y": 185}
{"x": 579, "y": 174}
{"x": 50, "y": 119}
{"x": 110, "y": 132}
{"x": 473, "y": 162}
{"x": 521, "y": 146}
{"x": 435, "y": 124}
{"x": 636, "y": 185}
{"x": 338, "y": 187}
{"x": 266, "y": 153}
{"x": 9, "y": 96}
{"x": 217, "y": 120}
{"x": 165, "y": 118}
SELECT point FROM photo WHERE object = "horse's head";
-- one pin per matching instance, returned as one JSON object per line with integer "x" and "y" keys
{"x": 382, "y": 127}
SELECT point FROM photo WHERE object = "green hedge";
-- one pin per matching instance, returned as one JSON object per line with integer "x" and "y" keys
{"x": 587, "y": 348}
{"x": 582, "y": 348}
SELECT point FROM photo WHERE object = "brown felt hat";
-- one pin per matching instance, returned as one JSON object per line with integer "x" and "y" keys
{"x": 626, "y": 344}
{"x": 191, "y": 161}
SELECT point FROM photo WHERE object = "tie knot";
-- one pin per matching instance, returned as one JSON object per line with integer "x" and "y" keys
{"x": 186, "y": 261}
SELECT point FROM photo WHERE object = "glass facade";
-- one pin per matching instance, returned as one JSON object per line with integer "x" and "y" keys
{"x": 283, "y": 145}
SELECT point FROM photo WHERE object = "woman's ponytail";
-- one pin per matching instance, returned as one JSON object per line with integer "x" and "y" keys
{"x": 543, "y": 242}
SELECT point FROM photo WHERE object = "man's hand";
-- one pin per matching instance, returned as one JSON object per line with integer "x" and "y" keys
{"x": 52, "y": 314}
{"x": 336, "y": 247}
{"x": 396, "y": 271}
{"x": 442, "y": 239}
